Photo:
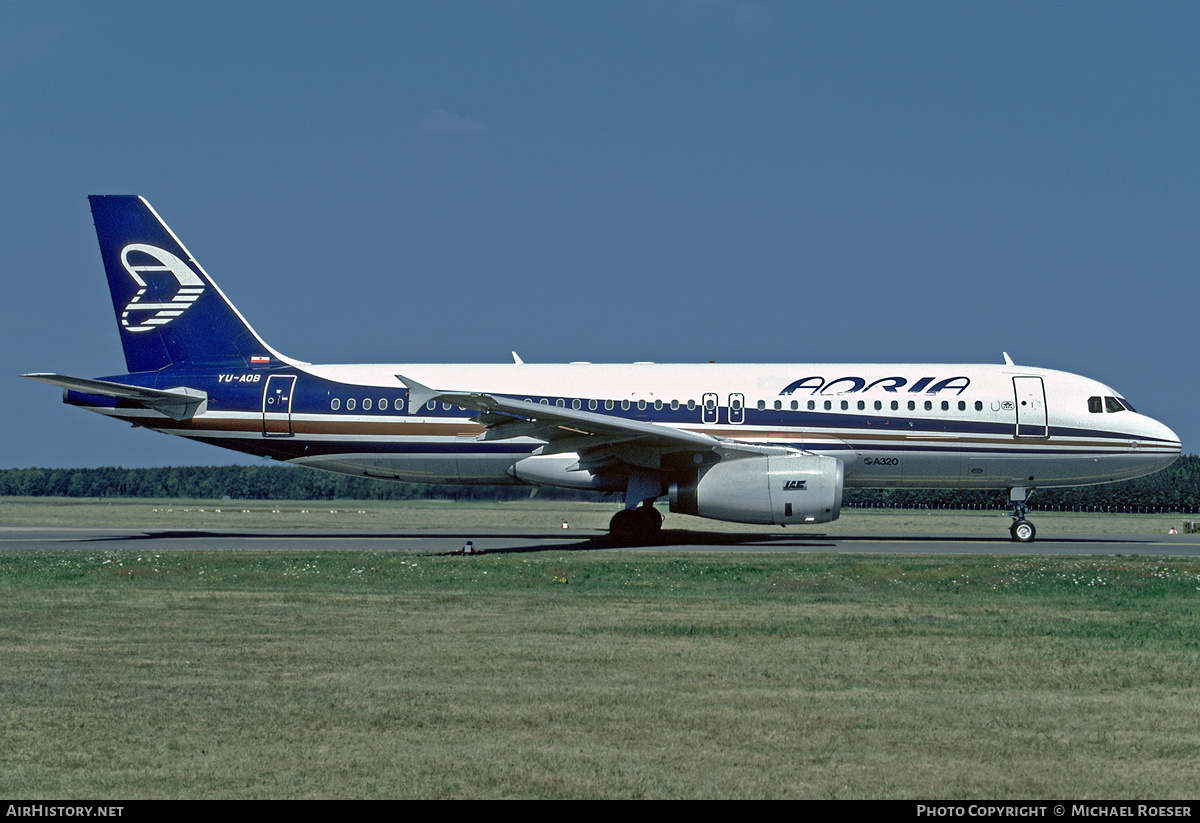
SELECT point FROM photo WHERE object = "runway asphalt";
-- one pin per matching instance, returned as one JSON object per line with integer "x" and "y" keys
{"x": 32, "y": 538}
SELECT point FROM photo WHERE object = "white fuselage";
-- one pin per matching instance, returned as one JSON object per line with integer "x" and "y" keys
{"x": 894, "y": 425}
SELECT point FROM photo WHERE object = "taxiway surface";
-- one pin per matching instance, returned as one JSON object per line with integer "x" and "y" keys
{"x": 43, "y": 538}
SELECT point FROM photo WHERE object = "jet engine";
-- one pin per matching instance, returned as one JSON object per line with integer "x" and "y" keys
{"x": 778, "y": 489}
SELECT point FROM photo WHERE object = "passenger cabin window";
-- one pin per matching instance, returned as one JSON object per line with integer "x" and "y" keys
{"x": 335, "y": 404}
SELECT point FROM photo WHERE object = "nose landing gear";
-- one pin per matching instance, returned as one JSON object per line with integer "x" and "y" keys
{"x": 1021, "y": 530}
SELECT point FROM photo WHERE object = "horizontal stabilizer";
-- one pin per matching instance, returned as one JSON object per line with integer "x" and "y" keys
{"x": 178, "y": 404}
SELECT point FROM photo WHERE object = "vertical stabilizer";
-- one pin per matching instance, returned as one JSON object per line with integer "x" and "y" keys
{"x": 169, "y": 312}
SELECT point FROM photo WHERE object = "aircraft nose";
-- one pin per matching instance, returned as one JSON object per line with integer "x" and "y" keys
{"x": 1164, "y": 442}
{"x": 1165, "y": 434}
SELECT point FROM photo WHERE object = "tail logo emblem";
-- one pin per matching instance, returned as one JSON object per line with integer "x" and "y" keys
{"x": 143, "y": 312}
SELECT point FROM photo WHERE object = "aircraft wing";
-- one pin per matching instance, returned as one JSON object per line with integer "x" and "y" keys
{"x": 598, "y": 438}
{"x": 178, "y": 404}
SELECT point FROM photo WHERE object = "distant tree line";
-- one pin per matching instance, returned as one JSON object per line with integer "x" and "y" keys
{"x": 1176, "y": 489}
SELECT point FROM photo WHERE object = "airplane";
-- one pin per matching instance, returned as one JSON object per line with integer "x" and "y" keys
{"x": 764, "y": 444}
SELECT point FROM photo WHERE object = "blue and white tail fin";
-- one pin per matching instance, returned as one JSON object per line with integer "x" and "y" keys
{"x": 169, "y": 311}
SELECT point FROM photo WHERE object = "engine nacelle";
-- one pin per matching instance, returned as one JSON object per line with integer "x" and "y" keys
{"x": 778, "y": 489}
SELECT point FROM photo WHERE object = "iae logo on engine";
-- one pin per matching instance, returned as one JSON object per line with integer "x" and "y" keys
{"x": 795, "y": 485}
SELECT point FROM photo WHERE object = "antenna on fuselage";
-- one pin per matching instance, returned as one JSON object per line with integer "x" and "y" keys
{"x": 1008, "y": 360}
{"x": 517, "y": 359}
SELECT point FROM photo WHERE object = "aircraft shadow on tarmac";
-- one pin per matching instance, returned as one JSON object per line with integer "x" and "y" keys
{"x": 539, "y": 542}
{"x": 595, "y": 541}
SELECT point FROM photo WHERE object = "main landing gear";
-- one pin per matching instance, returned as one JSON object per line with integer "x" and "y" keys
{"x": 1021, "y": 530}
{"x": 636, "y": 525}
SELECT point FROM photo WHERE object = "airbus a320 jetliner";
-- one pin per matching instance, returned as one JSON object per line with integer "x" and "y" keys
{"x": 769, "y": 443}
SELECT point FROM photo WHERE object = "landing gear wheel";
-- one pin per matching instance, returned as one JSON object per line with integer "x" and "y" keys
{"x": 635, "y": 525}
{"x": 1022, "y": 531}
{"x": 650, "y": 520}
{"x": 624, "y": 525}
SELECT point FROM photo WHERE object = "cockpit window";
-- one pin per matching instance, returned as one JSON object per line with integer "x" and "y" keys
{"x": 1125, "y": 403}
{"x": 1112, "y": 404}
{"x": 1095, "y": 406}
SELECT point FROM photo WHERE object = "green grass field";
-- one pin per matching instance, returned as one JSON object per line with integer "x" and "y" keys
{"x": 132, "y": 674}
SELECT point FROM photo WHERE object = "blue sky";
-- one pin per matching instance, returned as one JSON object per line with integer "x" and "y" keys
{"x": 611, "y": 181}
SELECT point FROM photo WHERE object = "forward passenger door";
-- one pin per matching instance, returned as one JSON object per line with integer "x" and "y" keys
{"x": 1031, "y": 407}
